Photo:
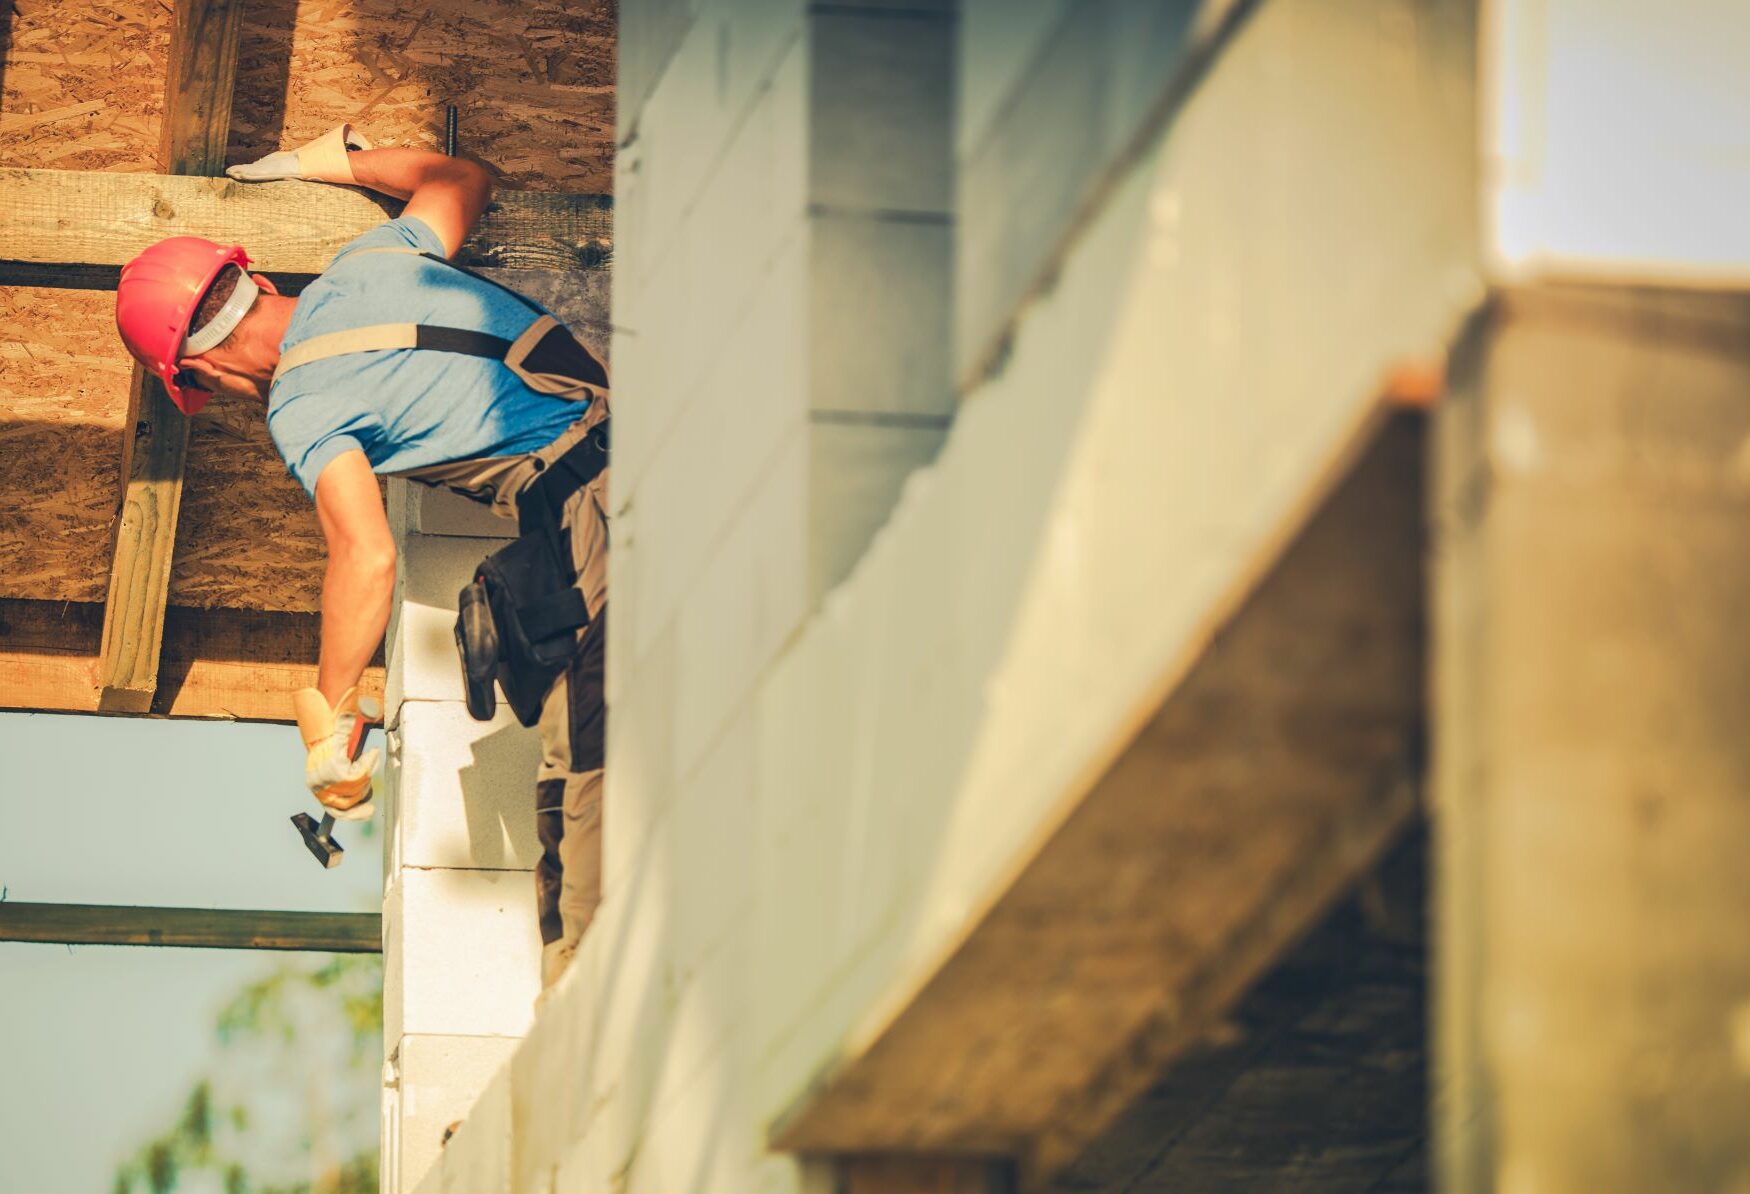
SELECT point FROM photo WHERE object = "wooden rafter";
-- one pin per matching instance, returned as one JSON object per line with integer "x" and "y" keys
{"x": 197, "y": 119}
{"x": 89, "y": 224}
{"x": 216, "y": 663}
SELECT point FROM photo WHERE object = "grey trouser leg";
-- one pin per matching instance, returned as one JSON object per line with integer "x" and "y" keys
{"x": 568, "y": 803}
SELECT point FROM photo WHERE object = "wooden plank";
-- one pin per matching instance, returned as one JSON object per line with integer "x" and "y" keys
{"x": 1276, "y": 772}
{"x": 192, "y": 928}
{"x": 202, "y": 77}
{"x": 59, "y": 217}
{"x": 155, "y": 446}
{"x": 197, "y": 120}
{"x": 239, "y": 665}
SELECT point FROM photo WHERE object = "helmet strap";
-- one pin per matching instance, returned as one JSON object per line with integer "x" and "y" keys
{"x": 226, "y": 321}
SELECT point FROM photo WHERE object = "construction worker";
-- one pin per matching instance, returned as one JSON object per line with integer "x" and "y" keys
{"x": 395, "y": 361}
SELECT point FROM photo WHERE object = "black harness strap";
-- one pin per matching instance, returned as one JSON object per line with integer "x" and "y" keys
{"x": 462, "y": 340}
{"x": 541, "y": 505}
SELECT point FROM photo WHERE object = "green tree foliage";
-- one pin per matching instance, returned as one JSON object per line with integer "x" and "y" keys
{"x": 290, "y": 1106}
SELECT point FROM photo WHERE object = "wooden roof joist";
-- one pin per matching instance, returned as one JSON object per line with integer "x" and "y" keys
{"x": 239, "y": 665}
{"x": 197, "y": 120}
{"x": 90, "y": 224}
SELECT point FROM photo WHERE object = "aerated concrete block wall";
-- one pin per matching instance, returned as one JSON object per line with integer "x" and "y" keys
{"x": 461, "y": 950}
{"x": 461, "y": 945}
{"x": 839, "y": 719}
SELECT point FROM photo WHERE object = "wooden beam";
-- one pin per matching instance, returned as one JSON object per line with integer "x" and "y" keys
{"x": 84, "y": 220}
{"x": 1275, "y": 773}
{"x": 197, "y": 121}
{"x": 154, "y": 447}
{"x": 202, "y": 78}
{"x": 237, "y": 665}
{"x": 192, "y": 928}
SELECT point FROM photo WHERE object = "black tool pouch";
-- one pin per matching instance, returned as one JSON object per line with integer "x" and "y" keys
{"x": 529, "y": 589}
{"x": 536, "y": 611}
{"x": 477, "y": 644}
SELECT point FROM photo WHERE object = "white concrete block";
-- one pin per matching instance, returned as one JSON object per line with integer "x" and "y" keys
{"x": 633, "y": 1007}
{"x": 712, "y": 463}
{"x": 705, "y": 288}
{"x": 713, "y": 1033}
{"x": 640, "y": 772}
{"x": 714, "y": 847}
{"x": 701, "y": 1141}
{"x": 440, "y": 1078}
{"x": 421, "y": 657}
{"x": 881, "y": 96}
{"x": 585, "y": 1168}
{"x": 720, "y": 71}
{"x": 551, "y": 1073}
{"x": 422, "y": 661}
{"x": 464, "y": 790}
{"x": 478, "y": 1157}
{"x": 750, "y": 598}
{"x": 462, "y": 953}
{"x": 445, "y": 512}
{"x": 434, "y": 568}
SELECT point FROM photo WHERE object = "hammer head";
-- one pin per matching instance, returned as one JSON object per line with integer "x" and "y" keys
{"x": 319, "y": 839}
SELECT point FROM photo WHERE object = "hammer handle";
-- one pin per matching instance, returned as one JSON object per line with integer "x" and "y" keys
{"x": 370, "y": 713}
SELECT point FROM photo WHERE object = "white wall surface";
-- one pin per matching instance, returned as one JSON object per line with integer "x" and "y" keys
{"x": 805, "y": 810}
{"x": 461, "y": 948}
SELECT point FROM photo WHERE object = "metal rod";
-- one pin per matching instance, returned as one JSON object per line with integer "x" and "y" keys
{"x": 450, "y": 130}
{"x": 192, "y": 928}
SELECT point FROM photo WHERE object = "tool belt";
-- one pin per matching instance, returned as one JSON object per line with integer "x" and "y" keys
{"x": 517, "y": 620}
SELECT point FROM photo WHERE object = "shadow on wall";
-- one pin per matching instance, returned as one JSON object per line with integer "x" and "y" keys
{"x": 798, "y": 870}
{"x": 498, "y": 796}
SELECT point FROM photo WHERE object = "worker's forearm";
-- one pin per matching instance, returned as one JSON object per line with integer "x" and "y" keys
{"x": 356, "y": 591}
{"x": 400, "y": 172}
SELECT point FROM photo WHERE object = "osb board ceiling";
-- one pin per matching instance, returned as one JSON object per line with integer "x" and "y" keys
{"x": 81, "y": 88}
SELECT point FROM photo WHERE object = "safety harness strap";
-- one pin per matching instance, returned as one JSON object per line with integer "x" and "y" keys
{"x": 556, "y": 365}
{"x": 383, "y": 337}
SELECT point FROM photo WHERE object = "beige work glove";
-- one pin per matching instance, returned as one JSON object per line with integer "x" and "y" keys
{"x": 322, "y": 160}
{"x": 342, "y": 784}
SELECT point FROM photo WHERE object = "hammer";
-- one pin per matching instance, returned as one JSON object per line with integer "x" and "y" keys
{"x": 319, "y": 839}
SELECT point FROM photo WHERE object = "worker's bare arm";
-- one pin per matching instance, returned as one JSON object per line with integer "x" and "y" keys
{"x": 360, "y": 580}
{"x": 447, "y": 193}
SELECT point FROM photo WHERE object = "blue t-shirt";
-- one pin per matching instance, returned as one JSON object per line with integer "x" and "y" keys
{"x": 405, "y": 408}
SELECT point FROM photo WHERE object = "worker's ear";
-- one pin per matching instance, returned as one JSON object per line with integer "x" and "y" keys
{"x": 266, "y": 284}
{"x": 201, "y": 374}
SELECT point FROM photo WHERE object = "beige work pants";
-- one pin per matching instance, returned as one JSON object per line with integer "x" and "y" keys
{"x": 573, "y": 725}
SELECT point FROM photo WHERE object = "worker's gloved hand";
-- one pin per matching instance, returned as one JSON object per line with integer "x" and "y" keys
{"x": 341, "y": 783}
{"x": 322, "y": 160}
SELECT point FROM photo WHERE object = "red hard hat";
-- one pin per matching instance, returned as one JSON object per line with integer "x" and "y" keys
{"x": 156, "y": 300}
